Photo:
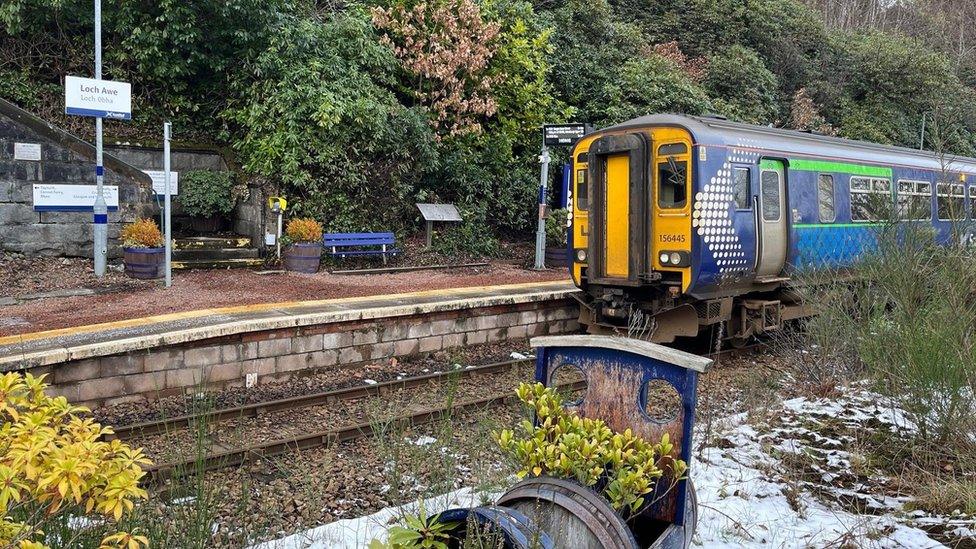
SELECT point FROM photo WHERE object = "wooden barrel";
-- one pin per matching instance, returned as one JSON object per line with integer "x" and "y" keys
{"x": 144, "y": 263}
{"x": 303, "y": 257}
{"x": 572, "y": 515}
{"x": 495, "y": 527}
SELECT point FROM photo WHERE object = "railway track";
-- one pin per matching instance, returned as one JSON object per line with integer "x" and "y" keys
{"x": 165, "y": 425}
{"x": 234, "y": 457}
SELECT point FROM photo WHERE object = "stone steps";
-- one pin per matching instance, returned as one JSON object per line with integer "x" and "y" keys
{"x": 192, "y": 254}
{"x": 217, "y": 263}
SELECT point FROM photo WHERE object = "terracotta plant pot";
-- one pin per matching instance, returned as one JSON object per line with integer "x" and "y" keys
{"x": 144, "y": 263}
{"x": 303, "y": 257}
{"x": 557, "y": 257}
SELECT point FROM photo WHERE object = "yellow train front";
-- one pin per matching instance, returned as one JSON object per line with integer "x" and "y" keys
{"x": 681, "y": 222}
{"x": 632, "y": 230}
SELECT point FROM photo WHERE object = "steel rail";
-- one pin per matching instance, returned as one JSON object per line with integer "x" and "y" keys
{"x": 165, "y": 425}
{"x": 241, "y": 456}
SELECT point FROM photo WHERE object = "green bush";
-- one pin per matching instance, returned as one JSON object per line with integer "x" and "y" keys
{"x": 472, "y": 237}
{"x": 556, "y": 230}
{"x": 205, "y": 193}
{"x": 318, "y": 113}
{"x": 742, "y": 86}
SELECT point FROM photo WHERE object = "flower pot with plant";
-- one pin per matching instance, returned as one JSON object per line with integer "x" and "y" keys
{"x": 303, "y": 241}
{"x": 557, "y": 233}
{"x": 143, "y": 253}
{"x": 586, "y": 470}
{"x": 208, "y": 197}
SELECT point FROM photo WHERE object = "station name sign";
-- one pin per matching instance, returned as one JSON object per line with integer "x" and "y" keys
{"x": 97, "y": 98}
{"x": 562, "y": 134}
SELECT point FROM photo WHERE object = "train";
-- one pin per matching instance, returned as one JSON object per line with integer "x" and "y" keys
{"x": 685, "y": 223}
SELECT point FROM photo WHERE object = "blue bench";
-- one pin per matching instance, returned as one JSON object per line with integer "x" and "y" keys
{"x": 347, "y": 244}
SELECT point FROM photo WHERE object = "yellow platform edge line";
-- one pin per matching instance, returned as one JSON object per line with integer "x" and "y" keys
{"x": 261, "y": 307}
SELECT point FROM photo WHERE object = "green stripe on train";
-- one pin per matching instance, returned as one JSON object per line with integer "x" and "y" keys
{"x": 830, "y": 167}
{"x": 835, "y": 225}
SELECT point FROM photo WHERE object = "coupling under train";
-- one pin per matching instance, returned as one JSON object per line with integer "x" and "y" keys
{"x": 681, "y": 223}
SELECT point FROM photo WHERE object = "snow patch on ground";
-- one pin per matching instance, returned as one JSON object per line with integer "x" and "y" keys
{"x": 358, "y": 532}
{"x": 742, "y": 505}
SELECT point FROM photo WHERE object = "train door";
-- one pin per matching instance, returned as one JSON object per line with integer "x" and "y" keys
{"x": 618, "y": 206}
{"x": 771, "y": 220}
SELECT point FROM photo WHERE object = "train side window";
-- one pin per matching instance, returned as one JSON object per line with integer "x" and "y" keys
{"x": 672, "y": 183}
{"x": 740, "y": 188}
{"x": 582, "y": 190}
{"x": 870, "y": 198}
{"x": 972, "y": 202}
{"x": 825, "y": 198}
{"x": 914, "y": 200}
{"x": 769, "y": 191}
{"x": 951, "y": 198}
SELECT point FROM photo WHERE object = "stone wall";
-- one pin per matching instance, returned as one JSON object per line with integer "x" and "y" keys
{"x": 251, "y": 214}
{"x": 181, "y": 160}
{"x": 67, "y": 160}
{"x": 278, "y": 355}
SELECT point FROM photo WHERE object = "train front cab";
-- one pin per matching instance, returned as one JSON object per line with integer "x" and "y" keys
{"x": 646, "y": 254}
{"x": 632, "y": 229}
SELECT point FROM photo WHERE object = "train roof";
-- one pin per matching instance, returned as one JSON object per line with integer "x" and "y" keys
{"x": 792, "y": 143}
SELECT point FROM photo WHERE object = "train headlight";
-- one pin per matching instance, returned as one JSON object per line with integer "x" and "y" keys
{"x": 581, "y": 255}
{"x": 674, "y": 259}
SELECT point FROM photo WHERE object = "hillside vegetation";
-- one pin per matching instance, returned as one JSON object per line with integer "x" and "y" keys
{"x": 358, "y": 110}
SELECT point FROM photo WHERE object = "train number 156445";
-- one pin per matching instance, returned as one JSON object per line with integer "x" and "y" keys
{"x": 672, "y": 238}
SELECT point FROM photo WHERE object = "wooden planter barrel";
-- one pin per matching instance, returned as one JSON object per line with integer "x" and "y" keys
{"x": 572, "y": 515}
{"x": 144, "y": 263}
{"x": 303, "y": 257}
{"x": 575, "y": 516}
{"x": 557, "y": 257}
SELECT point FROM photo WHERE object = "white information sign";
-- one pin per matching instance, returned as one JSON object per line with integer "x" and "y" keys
{"x": 71, "y": 198}
{"x": 97, "y": 98}
{"x": 159, "y": 182}
{"x": 27, "y": 151}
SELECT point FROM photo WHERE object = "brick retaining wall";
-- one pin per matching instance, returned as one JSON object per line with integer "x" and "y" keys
{"x": 277, "y": 355}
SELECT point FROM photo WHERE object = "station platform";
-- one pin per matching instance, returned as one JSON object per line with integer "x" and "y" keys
{"x": 52, "y": 347}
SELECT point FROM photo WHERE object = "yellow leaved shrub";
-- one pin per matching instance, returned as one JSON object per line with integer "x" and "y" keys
{"x": 143, "y": 233}
{"x": 53, "y": 461}
{"x": 303, "y": 229}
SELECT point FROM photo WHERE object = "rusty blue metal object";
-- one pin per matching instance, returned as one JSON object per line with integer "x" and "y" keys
{"x": 515, "y": 529}
{"x": 618, "y": 373}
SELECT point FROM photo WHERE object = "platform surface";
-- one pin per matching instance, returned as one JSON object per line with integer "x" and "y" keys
{"x": 56, "y": 346}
